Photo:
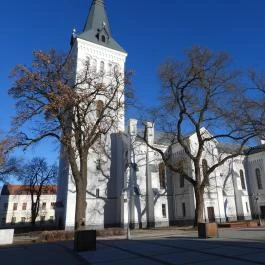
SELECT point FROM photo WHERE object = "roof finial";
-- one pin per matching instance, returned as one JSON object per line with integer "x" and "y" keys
{"x": 73, "y": 37}
{"x": 74, "y": 32}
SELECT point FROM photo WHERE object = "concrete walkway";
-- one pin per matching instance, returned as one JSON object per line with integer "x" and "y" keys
{"x": 234, "y": 247}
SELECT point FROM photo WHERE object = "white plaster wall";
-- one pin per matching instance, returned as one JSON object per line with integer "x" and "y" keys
{"x": 254, "y": 161}
{"x": 19, "y": 213}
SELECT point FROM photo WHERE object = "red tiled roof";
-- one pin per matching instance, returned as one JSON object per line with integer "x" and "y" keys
{"x": 9, "y": 189}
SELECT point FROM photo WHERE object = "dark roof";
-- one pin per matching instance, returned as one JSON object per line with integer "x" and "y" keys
{"x": 160, "y": 137}
{"x": 255, "y": 149}
{"x": 9, "y": 189}
{"x": 229, "y": 147}
{"x": 97, "y": 25}
{"x": 164, "y": 138}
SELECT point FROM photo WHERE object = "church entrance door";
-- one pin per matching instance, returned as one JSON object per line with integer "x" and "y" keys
{"x": 211, "y": 215}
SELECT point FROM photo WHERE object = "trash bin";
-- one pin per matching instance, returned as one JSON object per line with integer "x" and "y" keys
{"x": 206, "y": 230}
{"x": 85, "y": 240}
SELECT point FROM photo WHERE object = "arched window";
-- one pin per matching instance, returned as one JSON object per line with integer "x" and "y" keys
{"x": 94, "y": 65}
{"x": 181, "y": 181}
{"x": 181, "y": 176}
{"x": 258, "y": 177}
{"x": 204, "y": 170}
{"x": 102, "y": 67}
{"x": 242, "y": 179}
{"x": 88, "y": 63}
{"x": 103, "y": 38}
{"x": 162, "y": 176}
{"x": 116, "y": 69}
{"x": 99, "y": 108}
{"x": 110, "y": 68}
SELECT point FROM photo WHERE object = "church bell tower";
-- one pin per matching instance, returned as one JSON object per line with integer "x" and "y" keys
{"x": 96, "y": 44}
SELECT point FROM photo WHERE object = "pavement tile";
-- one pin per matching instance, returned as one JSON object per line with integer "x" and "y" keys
{"x": 258, "y": 257}
{"x": 141, "y": 261}
{"x": 186, "y": 244}
{"x": 39, "y": 254}
{"x": 222, "y": 261}
{"x": 146, "y": 248}
{"x": 231, "y": 251}
{"x": 106, "y": 255}
{"x": 185, "y": 258}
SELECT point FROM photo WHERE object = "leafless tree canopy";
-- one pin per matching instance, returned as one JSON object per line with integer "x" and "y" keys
{"x": 8, "y": 165}
{"x": 253, "y": 104}
{"x": 201, "y": 92}
{"x": 76, "y": 109}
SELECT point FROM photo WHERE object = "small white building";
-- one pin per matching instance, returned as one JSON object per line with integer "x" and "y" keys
{"x": 15, "y": 206}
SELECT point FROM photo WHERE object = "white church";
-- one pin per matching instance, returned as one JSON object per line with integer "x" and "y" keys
{"x": 136, "y": 188}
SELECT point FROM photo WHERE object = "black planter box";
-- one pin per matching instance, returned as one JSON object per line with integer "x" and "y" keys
{"x": 85, "y": 240}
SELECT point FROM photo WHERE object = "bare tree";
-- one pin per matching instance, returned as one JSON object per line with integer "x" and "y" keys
{"x": 201, "y": 92}
{"x": 253, "y": 104}
{"x": 74, "y": 108}
{"x": 37, "y": 176}
{"x": 8, "y": 165}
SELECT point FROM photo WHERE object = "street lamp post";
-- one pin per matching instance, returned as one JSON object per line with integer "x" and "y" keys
{"x": 216, "y": 188}
{"x": 129, "y": 215}
{"x": 257, "y": 207}
{"x": 127, "y": 190}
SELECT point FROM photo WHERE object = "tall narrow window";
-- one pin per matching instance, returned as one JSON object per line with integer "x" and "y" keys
{"x": 258, "y": 177}
{"x": 204, "y": 171}
{"x": 110, "y": 68}
{"x": 103, "y": 38}
{"x": 247, "y": 207}
{"x": 102, "y": 67}
{"x": 99, "y": 108}
{"x": 164, "y": 211}
{"x": 43, "y": 206}
{"x": 98, "y": 164}
{"x": 94, "y": 65}
{"x": 13, "y": 220}
{"x": 183, "y": 209}
{"x": 24, "y": 206}
{"x": 181, "y": 180}
{"x": 242, "y": 179}
{"x": 14, "y": 206}
{"x": 115, "y": 69}
{"x": 97, "y": 193}
{"x": 162, "y": 176}
{"x": 88, "y": 63}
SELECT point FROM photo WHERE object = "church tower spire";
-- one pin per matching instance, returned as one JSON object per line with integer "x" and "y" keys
{"x": 97, "y": 27}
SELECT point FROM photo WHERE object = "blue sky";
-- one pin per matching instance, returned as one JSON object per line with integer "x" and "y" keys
{"x": 150, "y": 31}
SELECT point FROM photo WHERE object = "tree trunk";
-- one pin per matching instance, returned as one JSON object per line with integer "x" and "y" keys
{"x": 33, "y": 217}
{"x": 81, "y": 186}
{"x": 80, "y": 209}
{"x": 199, "y": 205}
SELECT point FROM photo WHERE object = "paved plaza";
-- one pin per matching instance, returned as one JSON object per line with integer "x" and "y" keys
{"x": 40, "y": 254}
{"x": 233, "y": 247}
{"x": 170, "y": 246}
